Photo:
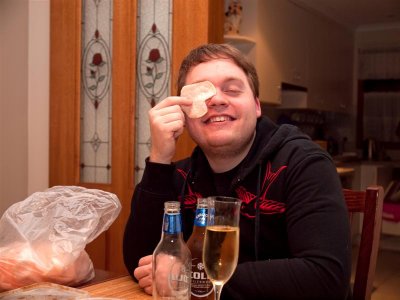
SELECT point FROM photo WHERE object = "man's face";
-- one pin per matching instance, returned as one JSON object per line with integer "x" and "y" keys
{"x": 229, "y": 125}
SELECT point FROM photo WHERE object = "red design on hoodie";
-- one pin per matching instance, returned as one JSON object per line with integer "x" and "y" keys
{"x": 190, "y": 197}
{"x": 267, "y": 206}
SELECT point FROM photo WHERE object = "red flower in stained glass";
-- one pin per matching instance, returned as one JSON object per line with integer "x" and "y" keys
{"x": 97, "y": 60}
{"x": 152, "y": 71}
{"x": 154, "y": 56}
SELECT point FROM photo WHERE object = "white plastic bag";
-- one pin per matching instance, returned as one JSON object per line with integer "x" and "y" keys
{"x": 42, "y": 238}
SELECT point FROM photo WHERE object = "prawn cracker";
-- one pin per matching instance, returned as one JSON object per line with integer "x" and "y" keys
{"x": 199, "y": 92}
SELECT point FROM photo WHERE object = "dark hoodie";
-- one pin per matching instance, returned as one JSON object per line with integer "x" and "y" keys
{"x": 294, "y": 227}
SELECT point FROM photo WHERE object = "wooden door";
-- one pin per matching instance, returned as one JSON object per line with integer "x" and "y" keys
{"x": 105, "y": 251}
{"x": 194, "y": 22}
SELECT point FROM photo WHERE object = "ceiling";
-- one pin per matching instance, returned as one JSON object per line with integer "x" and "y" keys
{"x": 358, "y": 14}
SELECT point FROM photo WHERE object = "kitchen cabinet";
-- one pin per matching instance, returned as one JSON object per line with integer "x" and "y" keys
{"x": 282, "y": 48}
{"x": 297, "y": 46}
{"x": 330, "y": 66}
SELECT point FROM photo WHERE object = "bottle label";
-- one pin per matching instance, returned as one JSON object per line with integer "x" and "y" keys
{"x": 172, "y": 223}
{"x": 201, "y": 217}
{"x": 201, "y": 285}
{"x": 171, "y": 276}
{"x": 179, "y": 281}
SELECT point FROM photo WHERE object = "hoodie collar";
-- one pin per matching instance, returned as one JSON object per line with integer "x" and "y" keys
{"x": 270, "y": 138}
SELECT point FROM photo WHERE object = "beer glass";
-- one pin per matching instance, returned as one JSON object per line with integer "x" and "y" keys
{"x": 221, "y": 242}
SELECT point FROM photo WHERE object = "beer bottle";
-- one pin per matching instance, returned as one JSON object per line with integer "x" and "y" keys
{"x": 171, "y": 258}
{"x": 202, "y": 287}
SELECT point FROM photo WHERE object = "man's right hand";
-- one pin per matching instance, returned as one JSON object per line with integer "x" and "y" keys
{"x": 167, "y": 122}
{"x": 167, "y": 267}
{"x": 143, "y": 274}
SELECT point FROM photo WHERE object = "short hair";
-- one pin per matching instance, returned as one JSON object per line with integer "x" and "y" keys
{"x": 210, "y": 52}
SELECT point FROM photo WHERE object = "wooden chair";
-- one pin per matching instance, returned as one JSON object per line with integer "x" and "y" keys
{"x": 370, "y": 204}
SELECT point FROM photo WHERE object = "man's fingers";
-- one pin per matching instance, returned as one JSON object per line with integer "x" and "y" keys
{"x": 143, "y": 271}
{"x": 145, "y": 260}
{"x": 178, "y": 132}
{"x": 145, "y": 281}
{"x": 162, "y": 111}
{"x": 144, "y": 268}
{"x": 148, "y": 290}
{"x": 165, "y": 119}
{"x": 174, "y": 100}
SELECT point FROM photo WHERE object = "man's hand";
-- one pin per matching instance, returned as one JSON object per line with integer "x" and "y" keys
{"x": 167, "y": 122}
{"x": 143, "y": 273}
{"x": 168, "y": 272}
{"x": 169, "y": 277}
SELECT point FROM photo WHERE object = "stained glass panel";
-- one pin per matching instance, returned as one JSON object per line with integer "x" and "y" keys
{"x": 154, "y": 32}
{"x": 96, "y": 96}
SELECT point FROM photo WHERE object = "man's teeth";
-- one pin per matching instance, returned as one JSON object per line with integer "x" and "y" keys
{"x": 219, "y": 119}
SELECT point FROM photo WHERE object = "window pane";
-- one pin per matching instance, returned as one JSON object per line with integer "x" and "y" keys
{"x": 154, "y": 31}
{"x": 96, "y": 101}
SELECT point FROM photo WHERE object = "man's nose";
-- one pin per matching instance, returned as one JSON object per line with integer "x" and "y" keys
{"x": 218, "y": 99}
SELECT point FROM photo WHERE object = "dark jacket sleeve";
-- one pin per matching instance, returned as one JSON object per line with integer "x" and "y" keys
{"x": 143, "y": 229}
{"x": 319, "y": 265}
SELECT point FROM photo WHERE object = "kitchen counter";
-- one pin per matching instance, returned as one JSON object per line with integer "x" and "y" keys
{"x": 342, "y": 171}
{"x": 368, "y": 172}
{"x": 356, "y": 162}
{"x": 352, "y": 161}
{"x": 383, "y": 163}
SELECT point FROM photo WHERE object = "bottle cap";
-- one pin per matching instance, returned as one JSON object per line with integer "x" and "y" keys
{"x": 172, "y": 207}
{"x": 202, "y": 203}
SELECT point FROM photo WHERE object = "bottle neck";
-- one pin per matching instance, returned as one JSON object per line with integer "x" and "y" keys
{"x": 172, "y": 224}
{"x": 200, "y": 219}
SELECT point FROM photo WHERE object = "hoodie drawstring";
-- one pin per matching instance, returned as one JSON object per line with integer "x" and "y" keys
{"x": 182, "y": 198}
{"x": 257, "y": 220}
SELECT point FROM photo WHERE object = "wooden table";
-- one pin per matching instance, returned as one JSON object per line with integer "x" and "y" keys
{"x": 121, "y": 288}
{"x": 105, "y": 284}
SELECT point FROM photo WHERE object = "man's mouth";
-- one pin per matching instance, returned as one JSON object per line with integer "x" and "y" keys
{"x": 218, "y": 119}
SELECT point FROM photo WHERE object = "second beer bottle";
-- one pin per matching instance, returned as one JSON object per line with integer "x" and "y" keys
{"x": 202, "y": 288}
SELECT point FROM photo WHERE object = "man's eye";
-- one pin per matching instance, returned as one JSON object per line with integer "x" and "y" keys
{"x": 232, "y": 91}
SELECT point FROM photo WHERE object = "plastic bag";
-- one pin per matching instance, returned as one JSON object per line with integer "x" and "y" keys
{"x": 42, "y": 238}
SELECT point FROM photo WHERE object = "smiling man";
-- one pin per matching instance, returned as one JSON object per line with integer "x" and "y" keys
{"x": 294, "y": 230}
{"x": 226, "y": 132}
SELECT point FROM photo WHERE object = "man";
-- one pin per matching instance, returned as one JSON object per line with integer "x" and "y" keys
{"x": 294, "y": 230}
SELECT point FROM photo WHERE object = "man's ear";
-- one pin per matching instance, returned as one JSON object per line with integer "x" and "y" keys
{"x": 258, "y": 107}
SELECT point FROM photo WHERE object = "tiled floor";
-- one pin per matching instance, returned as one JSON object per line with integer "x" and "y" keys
{"x": 387, "y": 275}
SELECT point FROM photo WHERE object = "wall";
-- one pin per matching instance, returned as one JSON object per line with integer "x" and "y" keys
{"x": 38, "y": 95}
{"x": 24, "y": 101}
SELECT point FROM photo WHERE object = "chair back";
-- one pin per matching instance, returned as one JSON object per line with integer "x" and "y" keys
{"x": 370, "y": 204}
